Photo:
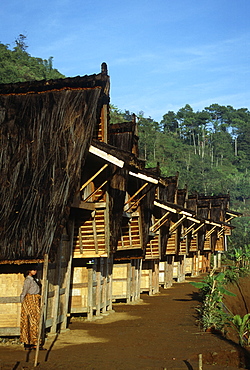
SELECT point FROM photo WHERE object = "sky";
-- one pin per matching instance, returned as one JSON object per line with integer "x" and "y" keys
{"x": 161, "y": 54}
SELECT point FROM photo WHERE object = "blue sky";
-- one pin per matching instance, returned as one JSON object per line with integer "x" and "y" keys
{"x": 161, "y": 54}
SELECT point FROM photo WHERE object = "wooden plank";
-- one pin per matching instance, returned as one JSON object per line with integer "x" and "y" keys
{"x": 136, "y": 193}
{"x": 95, "y": 235}
{"x": 68, "y": 276}
{"x": 90, "y": 294}
{"x": 93, "y": 177}
{"x": 57, "y": 290}
{"x": 10, "y": 299}
{"x": 106, "y": 156}
{"x": 43, "y": 304}
{"x": 144, "y": 177}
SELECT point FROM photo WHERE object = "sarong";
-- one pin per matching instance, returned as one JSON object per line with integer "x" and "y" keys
{"x": 30, "y": 316}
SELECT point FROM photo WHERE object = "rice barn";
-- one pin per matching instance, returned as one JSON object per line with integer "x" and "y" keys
{"x": 78, "y": 200}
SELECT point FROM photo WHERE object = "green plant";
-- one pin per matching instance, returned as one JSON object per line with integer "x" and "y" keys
{"x": 232, "y": 274}
{"x": 211, "y": 311}
{"x": 242, "y": 326}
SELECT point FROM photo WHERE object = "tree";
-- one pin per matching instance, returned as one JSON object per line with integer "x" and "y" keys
{"x": 18, "y": 66}
{"x": 169, "y": 122}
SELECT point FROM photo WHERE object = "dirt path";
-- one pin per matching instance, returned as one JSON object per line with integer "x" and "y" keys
{"x": 159, "y": 332}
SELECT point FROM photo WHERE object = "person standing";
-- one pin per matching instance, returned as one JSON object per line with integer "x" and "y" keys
{"x": 30, "y": 310}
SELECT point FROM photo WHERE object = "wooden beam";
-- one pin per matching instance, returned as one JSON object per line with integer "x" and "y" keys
{"x": 198, "y": 228}
{"x": 163, "y": 206}
{"x": 159, "y": 223}
{"x": 106, "y": 156}
{"x": 95, "y": 234}
{"x": 230, "y": 218}
{"x": 57, "y": 289}
{"x": 220, "y": 233}
{"x": 195, "y": 220}
{"x": 211, "y": 231}
{"x": 137, "y": 192}
{"x": 68, "y": 274}
{"x": 174, "y": 227}
{"x": 95, "y": 191}
{"x": 188, "y": 230}
{"x": 144, "y": 177}
{"x": 104, "y": 183}
{"x": 136, "y": 203}
{"x": 93, "y": 177}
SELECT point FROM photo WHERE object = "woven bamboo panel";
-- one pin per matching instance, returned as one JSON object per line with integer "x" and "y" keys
{"x": 183, "y": 246}
{"x": 172, "y": 244}
{"x": 120, "y": 281}
{"x": 207, "y": 244}
{"x": 10, "y": 306}
{"x": 153, "y": 248}
{"x": 150, "y": 276}
{"x": 175, "y": 270}
{"x": 163, "y": 270}
{"x": 200, "y": 262}
{"x": 79, "y": 292}
{"x": 220, "y": 245}
{"x": 188, "y": 265}
{"x": 91, "y": 288}
{"x": 126, "y": 280}
{"x": 89, "y": 239}
{"x": 193, "y": 247}
{"x": 11, "y": 284}
{"x": 135, "y": 232}
{"x": 130, "y": 234}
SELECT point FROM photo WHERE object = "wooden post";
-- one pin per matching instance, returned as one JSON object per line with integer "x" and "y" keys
{"x": 129, "y": 276}
{"x": 90, "y": 294}
{"x": 98, "y": 293}
{"x": 133, "y": 283}
{"x": 105, "y": 283}
{"x": 165, "y": 274}
{"x": 157, "y": 273}
{"x": 200, "y": 361}
{"x": 57, "y": 289}
{"x": 110, "y": 269}
{"x": 150, "y": 278}
{"x": 43, "y": 303}
{"x": 68, "y": 277}
{"x": 215, "y": 261}
{"x": 139, "y": 278}
{"x": 219, "y": 260}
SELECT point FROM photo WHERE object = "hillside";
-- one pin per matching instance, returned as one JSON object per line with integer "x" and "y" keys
{"x": 210, "y": 148}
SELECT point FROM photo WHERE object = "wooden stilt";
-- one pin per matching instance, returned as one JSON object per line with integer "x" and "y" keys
{"x": 68, "y": 278}
{"x": 129, "y": 276}
{"x": 43, "y": 303}
{"x": 90, "y": 294}
{"x": 150, "y": 279}
{"x": 110, "y": 268}
{"x": 104, "y": 291}
{"x": 98, "y": 293}
{"x": 139, "y": 278}
{"x": 57, "y": 290}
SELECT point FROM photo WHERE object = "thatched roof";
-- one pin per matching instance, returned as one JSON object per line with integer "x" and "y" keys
{"x": 45, "y": 131}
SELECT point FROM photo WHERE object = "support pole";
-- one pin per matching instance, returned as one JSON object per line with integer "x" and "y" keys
{"x": 43, "y": 303}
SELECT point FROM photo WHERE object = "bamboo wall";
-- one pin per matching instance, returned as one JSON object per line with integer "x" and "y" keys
{"x": 10, "y": 306}
{"x": 126, "y": 280}
{"x": 56, "y": 291}
{"x": 91, "y": 286}
{"x": 150, "y": 276}
{"x": 166, "y": 272}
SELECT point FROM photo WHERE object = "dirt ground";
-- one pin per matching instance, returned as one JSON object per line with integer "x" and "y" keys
{"x": 158, "y": 332}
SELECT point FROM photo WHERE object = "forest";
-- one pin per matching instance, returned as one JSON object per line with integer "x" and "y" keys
{"x": 17, "y": 65}
{"x": 209, "y": 148}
